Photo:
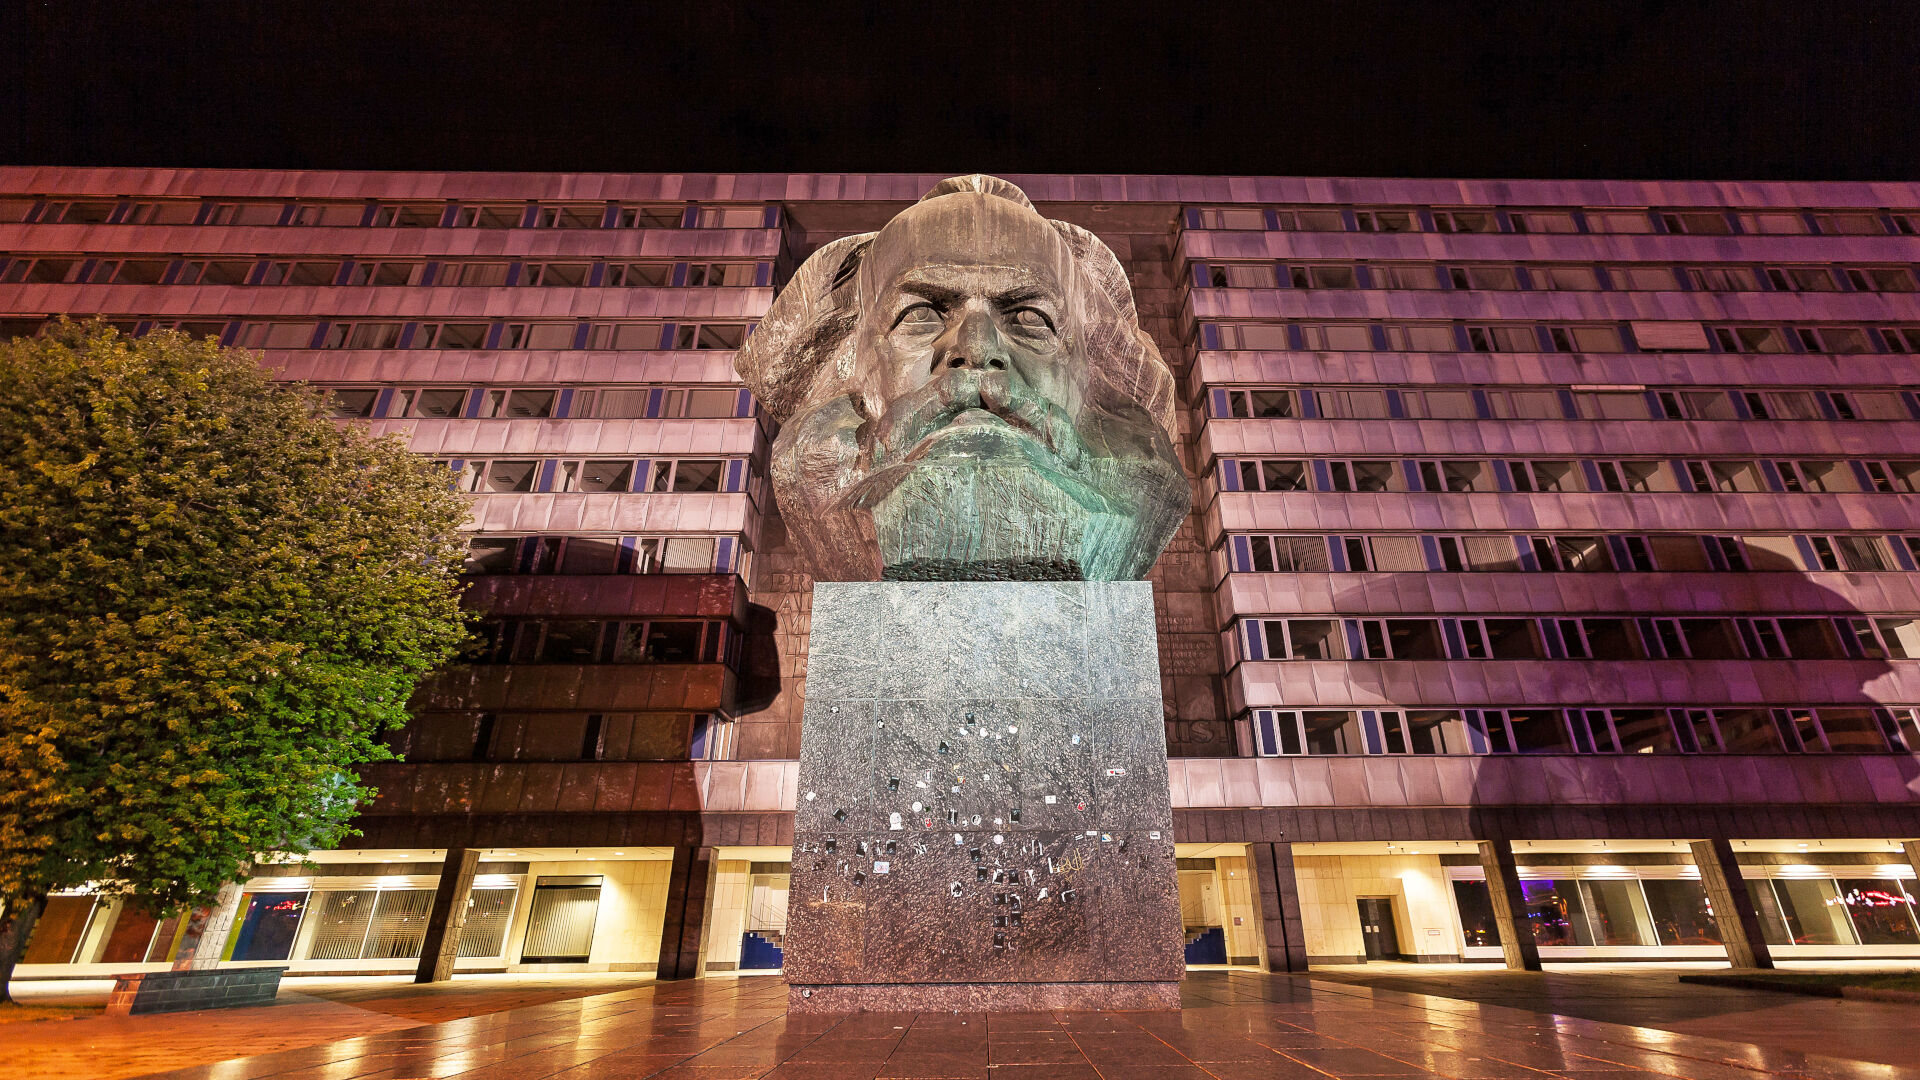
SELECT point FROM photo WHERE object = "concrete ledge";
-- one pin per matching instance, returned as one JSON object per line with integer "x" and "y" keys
{"x": 1805, "y": 989}
{"x": 983, "y": 997}
{"x": 184, "y": 991}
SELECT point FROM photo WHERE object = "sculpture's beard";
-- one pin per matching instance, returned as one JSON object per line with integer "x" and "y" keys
{"x": 977, "y": 477}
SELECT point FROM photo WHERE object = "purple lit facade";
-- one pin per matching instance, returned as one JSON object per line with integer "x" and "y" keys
{"x": 1562, "y": 535}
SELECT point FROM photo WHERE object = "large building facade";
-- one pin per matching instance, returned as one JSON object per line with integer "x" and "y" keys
{"x": 1551, "y": 587}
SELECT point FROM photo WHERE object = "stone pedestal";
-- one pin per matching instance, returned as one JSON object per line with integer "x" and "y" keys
{"x": 188, "y": 990}
{"x": 983, "y": 814}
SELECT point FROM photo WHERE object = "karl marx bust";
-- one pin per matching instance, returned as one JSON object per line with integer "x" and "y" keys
{"x": 967, "y": 395}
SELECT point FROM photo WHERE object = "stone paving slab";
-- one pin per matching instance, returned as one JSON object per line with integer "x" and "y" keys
{"x": 1884, "y": 1032}
{"x": 1233, "y": 1026}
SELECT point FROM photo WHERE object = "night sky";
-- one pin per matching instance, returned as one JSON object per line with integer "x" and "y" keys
{"x": 1813, "y": 89}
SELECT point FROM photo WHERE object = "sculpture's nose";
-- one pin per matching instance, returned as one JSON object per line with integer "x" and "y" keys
{"x": 974, "y": 342}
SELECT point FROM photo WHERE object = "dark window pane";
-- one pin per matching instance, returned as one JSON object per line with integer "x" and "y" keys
{"x": 1512, "y": 639}
{"x": 584, "y": 555}
{"x": 570, "y": 642}
{"x": 1882, "y": 910}
{"x": 1477, "y": 923}
{"x": 1415, "y": 639}
{"x": 698, "y": 475}
{"x": 491, "y": 555}
{"x": 673, "y": 642}
{"x": 268, "y": 922}
{"x": 1538, "y": 731}
{"x": 1681, "y": 914}
{"x": 1557, "y": 913}
{"x": 353, "y": 403}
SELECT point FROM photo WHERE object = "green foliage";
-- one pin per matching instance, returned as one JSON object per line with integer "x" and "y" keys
{"x": 213, "y": 601}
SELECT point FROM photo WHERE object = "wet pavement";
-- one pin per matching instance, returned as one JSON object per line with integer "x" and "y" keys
{"x": 1235, "y": 1026}
{"x": 1634, "y": 994}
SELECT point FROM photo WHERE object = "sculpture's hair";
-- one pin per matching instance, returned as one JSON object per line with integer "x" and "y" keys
{"x": 802, "y": 352}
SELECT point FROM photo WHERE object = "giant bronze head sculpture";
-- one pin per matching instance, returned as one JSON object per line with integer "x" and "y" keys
{"x": 967, "y": 395}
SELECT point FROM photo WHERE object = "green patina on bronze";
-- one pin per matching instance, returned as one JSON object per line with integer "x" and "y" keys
{"x": 967, "y": 395}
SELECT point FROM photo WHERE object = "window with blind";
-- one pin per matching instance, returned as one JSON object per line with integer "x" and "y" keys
{"x": 560, "y": 925}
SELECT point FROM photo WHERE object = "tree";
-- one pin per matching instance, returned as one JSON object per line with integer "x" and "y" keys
{"x": 214, "y": 600}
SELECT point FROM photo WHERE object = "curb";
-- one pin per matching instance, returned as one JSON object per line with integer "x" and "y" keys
{"x": 1757, "y": 982}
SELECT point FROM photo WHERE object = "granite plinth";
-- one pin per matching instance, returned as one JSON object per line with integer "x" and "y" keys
{"x": 983, "y": 816}
{"x": 987, "y": 997}
{"x": 183, "y": 991}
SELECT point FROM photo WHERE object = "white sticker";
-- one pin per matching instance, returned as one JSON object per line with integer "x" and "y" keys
{"x": 1153, "y": 836}
{"x": 917, "y": 808}
{"x": 811, "y": 796}
{"x": 1013, "y": 729}
{"x": 956, "y": 840}
{"x": 893, "y": 821}
{"x": 1116, "y": 772}
{"x": 1076, "y": 740}
{"x": 882, "y": 867}
{"x": 1051, "y": 800}
{"x": 999, "y": 839}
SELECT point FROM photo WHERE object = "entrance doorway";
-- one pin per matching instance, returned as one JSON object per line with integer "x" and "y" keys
{"x": 1376, "y": 929}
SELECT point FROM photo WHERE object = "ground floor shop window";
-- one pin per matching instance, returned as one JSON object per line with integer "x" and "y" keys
{"x": 1842, "y": 911}
{"x": 1478, "y": 927}
{"x": 560, "y": 925}
{"x": 268, "y": 923}
{"x": 1567, "y": 912}
{"x": 57, "y": 934}
{"x": 488, "y": 913}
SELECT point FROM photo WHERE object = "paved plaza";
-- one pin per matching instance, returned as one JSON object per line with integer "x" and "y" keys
{"x": 1236, "y": 1025}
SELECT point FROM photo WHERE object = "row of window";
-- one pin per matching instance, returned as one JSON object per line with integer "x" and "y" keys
{"x": 461, "y": 335}
{"x": 1569, "y": 912}
{"x": 492, "y": 555}
{"x": 1644, "y": 336}
{"x": 602, "y": 641}
{"x": 1613, "y": 402}
{"x": 1553, "y": 277}
{"x": 397, "y": 215}
{"x": 557, "y": 736}
{"x": 487, "y": 403}
{"x": 1528, "y": 730}
{"x": 1585, "y": 474}
{"x": 1302, "y": 553}
{"x": 1701, "y": 221}
{"x": 1622, "y": 637}
{"x": 572, "y": 334}
{"x": 191, "y": 270}
{"x": 604, "y": 214}
{"x": 621, "y": 475}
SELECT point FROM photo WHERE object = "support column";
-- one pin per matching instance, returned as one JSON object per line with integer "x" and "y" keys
{"x": 1509, "y": 905}
{"x": 1742, "y": 929}
{"x": 685, "y": 923}
{"x": 1279, "y": 906}
{"x": 448, "y": 917}
{"x": 208, "y": 928}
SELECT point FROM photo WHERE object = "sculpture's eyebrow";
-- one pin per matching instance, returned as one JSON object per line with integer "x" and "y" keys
{"x": 1025, "y": 294}
{"x": 928, "y": 291}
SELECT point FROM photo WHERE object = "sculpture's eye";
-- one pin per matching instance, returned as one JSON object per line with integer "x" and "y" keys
{"x": 1031, "y": 320}
{"x": 919, "y": 317}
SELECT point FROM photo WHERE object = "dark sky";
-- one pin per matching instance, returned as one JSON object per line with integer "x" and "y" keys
{"x": 1812, "y": 89}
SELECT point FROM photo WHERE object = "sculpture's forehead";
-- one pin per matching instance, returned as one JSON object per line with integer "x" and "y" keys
{"x": 967, "y": 230}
